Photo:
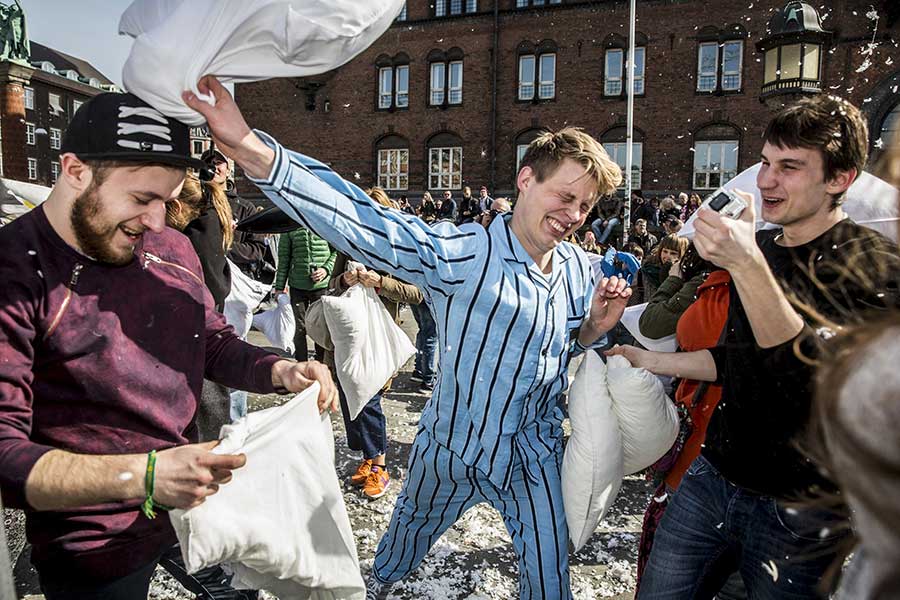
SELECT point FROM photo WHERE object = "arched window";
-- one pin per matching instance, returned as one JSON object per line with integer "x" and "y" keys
{"x": 445, "y": 81}
{"x": 392, "y": 160}
{"x": 445, "y": 161}
{"x": 393, "y": 81}
{"x": 522, "y": 141}
{"x": 890, "y": 127}
{"x": 615, "y": 64}
{"x": 716, "y": 155}
{"x": 537, "y": 71}
{"x": 615, "y": 144}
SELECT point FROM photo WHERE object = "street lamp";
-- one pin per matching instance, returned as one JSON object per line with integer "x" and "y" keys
{"x": 793, "y": 50}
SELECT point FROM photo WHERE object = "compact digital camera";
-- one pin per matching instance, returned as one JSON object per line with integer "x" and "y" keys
{"x": 726, "y": 203}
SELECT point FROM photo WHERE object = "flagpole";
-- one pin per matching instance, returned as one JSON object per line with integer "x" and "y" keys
{"x": 629, "y": 128}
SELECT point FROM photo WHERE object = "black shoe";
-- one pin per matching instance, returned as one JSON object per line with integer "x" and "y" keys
{"x": 416, "y": 376}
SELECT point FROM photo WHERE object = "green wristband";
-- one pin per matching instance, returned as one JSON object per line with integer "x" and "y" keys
{"x": 149, "y": 483}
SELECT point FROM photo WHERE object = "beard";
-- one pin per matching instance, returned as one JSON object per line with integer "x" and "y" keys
{"x": 93, "y": 235}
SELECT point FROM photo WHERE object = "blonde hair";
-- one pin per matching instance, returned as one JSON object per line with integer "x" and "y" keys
{"x": 380, "y": 196}
{"x": 196, "y": 196}
{"x": 548, "y": 151}
{"x": 667, "y": 203}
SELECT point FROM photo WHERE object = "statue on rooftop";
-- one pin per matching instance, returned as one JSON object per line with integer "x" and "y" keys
{"x": 14, "y": 43}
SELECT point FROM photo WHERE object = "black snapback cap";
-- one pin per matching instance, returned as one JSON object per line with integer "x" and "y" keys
{"x": 112, "y": 126}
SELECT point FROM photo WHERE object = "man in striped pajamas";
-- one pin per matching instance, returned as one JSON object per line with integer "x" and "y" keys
{"x": 512, "y": 304}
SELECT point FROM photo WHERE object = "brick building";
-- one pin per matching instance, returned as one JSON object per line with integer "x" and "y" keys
{"x": 37, "y": 101}
{"x": 455, "y": 89}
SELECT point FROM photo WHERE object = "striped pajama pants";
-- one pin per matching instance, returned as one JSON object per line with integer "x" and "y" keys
{"x": 439, "y": 488}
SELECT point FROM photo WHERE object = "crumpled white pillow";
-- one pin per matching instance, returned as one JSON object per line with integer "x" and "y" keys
{"x": 369, "y": 348}
{"x": 179, "y": 41}
{"x": 277, "y": 324}
{"x": 592, "y": 462}
{"x": 647, "y": 417}
{"x": 281, "y": 523}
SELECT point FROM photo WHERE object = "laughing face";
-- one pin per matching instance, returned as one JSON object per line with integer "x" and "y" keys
{"x": 549, "y": 211}
{"x": 794, "y": 188}
{"x": 110, "y": 219}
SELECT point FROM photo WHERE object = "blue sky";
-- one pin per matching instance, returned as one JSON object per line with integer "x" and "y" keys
{"x": 87, "y": 29}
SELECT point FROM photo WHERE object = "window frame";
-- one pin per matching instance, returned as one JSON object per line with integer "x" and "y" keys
{"x": 30, "y": 135}
{"x": 521, "y": 82}
{"x": 536, "y": 55}
{"x": 29, "y": 97}
{"x": 637, "y": 152}
{"x": 541, "y": 83}
{"x": 723, "y": 174}
{"x": 55, "y": 140}
{"x": 32, "y": 169}
{"x": 440, "y": 175}
{"x": 385, "y": 179}
{"x": 536, "y": 3}
{"x": 54, "y": 171}
{"x": 639, "y": 76}
{"x": 444, "y": 8}
{"x": 720, "y": 74}
{"x": 398, "y": 96}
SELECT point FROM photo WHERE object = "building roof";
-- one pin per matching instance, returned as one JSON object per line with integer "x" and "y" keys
{"x": 63, "y": 62}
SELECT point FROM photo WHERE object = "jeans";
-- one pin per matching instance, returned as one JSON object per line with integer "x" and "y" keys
{"x": 426, "y": 342}
{"x": 713, "y": 528}
{"x": 603, "y": 234}
{"x": 300, "y": 301}
{"x": 367, "y": 433}
{"x": 134, "y": 586}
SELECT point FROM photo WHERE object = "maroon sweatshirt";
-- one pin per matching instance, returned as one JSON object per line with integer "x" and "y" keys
{"x": 101, "y": 359}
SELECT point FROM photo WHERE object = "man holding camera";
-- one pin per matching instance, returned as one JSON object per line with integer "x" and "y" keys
{"x": 790, "y": 288}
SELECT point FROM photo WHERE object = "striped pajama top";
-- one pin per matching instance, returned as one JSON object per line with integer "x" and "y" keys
{"x": 505, "y": 329}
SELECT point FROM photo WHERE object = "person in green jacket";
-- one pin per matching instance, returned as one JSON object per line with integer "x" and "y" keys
{"x": 305, "y": 263}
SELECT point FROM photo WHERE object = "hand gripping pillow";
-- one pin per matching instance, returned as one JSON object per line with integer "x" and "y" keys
{"x": 647, "y": 418}
{"x": 368, "y": 346}
{"x": 280, "y": 523}
{"x": 592, "y": 462}
{"x": 179, "y": 41}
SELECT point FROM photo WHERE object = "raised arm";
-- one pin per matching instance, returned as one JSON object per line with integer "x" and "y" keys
{"x": 339, "y": 211}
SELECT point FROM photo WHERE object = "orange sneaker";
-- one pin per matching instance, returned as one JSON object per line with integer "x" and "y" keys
{"x": 362, "y": 473}
{"x": 377, "y": 483}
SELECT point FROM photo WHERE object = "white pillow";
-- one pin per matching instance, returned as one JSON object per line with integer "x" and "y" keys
{"x": 368, "y": 346}
{"x": 647, "y": 418}
{"x": 178, "y": 41}
{"x": 592, "y": 462}
{"x": 317, "y": 326}
{"x": 277, "y": 324}
{"x": 281, "y": 523}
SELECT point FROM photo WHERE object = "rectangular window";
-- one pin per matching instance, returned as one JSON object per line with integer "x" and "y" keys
{"x": 547, "y": 87}
{"x": 437, "y": 83}
{"x": 707, "y": 67}
{"x": 526, "y": 77}
{"x": 617, "y": 152}
{"x": 54, "y": 171}
{"x": 613, "y": 74}
{"x": 385, "y": 87}
{"x": 197, "y": 147}
{"x": 55, "y": 138}
{"x": 520, "y": 154}
{"x": 56, "y": 107}
{"x": 732, "y": 58}
{"x": 715, "y": 163}
{"x": 445, "y": 168}
{"x": 640, "y": 54}
{"x": 456, "y": 82}
{"x": 29, "y": 134}
{"x": 527, "y": 3}
{"x": 32, "y": 169}
{"x": 810, "y": 61}
{"x": 393, "y": 169}
{"x": 402, "y": 86}
{"x": 29, "y": 98}
{"x": 790, "y": 61}
{"x": 457, "y": 7}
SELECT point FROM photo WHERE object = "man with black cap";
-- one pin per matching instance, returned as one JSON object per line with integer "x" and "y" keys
{"x": 106, "y": 333}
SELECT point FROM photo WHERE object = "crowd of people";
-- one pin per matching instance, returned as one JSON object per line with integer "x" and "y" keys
{"x": 123, "y": 352}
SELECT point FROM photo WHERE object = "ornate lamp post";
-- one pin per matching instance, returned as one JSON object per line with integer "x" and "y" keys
{"x": 793, "y": 50}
